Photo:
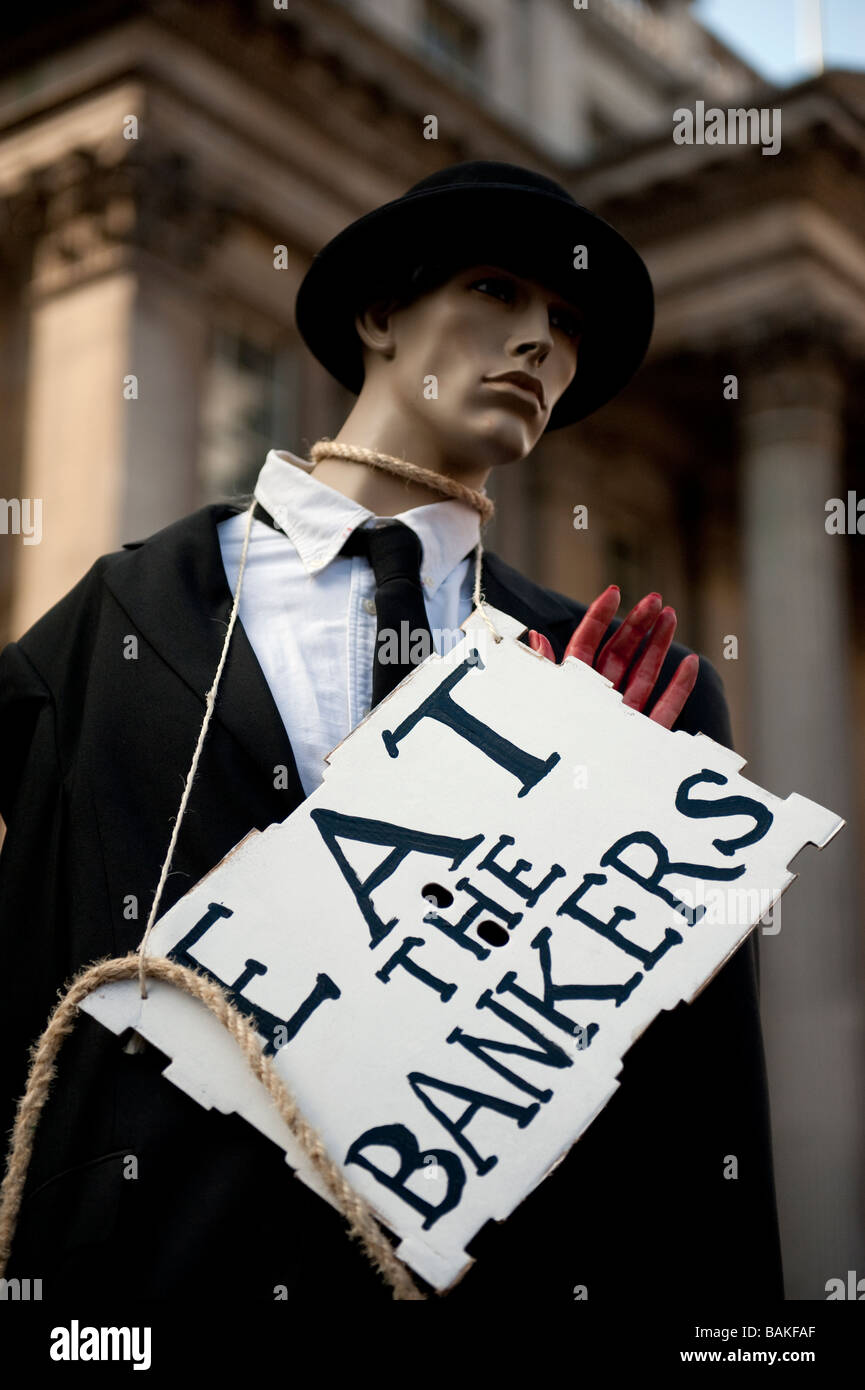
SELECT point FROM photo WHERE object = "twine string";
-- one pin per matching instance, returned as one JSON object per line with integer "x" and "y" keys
{"x": 210, "y": 701}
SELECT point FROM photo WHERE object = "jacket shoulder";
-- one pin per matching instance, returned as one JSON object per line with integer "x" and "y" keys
{"x": 534, "y": 602}
{"x": 179, "y": 533}
{"x": 66, "y": 632}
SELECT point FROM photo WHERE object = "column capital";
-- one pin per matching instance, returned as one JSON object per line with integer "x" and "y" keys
{"x": 22, "y": 223}
{"x": 793, "y": 385}
{"x": 86, "y": 211}
{"x": 791, "y": 360}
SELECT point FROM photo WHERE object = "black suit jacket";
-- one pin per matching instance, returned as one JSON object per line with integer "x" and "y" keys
{"x": 132, "y": 1185}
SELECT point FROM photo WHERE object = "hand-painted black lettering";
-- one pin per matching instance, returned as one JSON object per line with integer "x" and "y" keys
{"x": 476, "y": 1100}
{"x": 275, "y": 1031}
{"x": 334, "y": 826}
{"x": 699, "y": 807}
{"x": 511, "y": 877}
{"x": 402, "y": 957}
{"x": 609, "y": 930}
{"x": 664, "y": 866}
{"x": 527, "y": 769}
{"x": 457, "y": 931}
{"x": 411, "y": 1161}
{"x": 553, "y": 993}
{"x": 550, "y": 1055}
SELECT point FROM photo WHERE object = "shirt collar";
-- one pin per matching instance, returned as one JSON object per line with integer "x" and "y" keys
{"x": 318, "y": 520}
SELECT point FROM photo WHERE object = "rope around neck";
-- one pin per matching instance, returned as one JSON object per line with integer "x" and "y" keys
{"x": 357, "y": 1212}
{"x": 439, "y": 482}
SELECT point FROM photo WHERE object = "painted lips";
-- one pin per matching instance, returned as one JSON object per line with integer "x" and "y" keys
{"x": 520, "y": 383}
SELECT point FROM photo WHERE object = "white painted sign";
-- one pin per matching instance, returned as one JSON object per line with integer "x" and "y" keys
{"x": 449, "y": 947}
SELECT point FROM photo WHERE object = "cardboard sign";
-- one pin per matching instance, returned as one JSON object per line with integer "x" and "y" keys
{"x": 450, "y": 946}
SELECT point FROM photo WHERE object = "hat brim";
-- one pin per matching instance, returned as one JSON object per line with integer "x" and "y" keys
{"x": 528, "y": 231}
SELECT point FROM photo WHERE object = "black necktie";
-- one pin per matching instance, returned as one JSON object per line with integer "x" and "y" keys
{"x": 403, "y": 636}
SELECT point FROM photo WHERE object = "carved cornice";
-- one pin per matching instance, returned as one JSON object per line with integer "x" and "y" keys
{"x": 22, "y": 223}
{"x": 796, "y": 334}
{"x": 178, "y": 214}
{"x": 659, "y": 188}
{"x": 798, "y": 326}
{"x": 363, "y": 89}
{"x": 72, "y": 218}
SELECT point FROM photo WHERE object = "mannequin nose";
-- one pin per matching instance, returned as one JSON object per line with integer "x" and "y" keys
{"x": 537, "y": 348}
{"x": 530, "y": 335}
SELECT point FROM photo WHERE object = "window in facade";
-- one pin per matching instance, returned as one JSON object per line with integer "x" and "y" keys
{"x": 604, "y": 135}
{"x": 452, "y": 40}
{"x": 250, "y": 405}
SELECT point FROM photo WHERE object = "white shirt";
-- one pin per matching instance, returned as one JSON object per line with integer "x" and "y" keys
{"x": 309, "y": 612}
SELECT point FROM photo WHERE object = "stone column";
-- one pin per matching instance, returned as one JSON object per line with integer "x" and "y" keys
{"x": 20, "y": 227}
{"x": 167, "y": 353}
{"x": 115, "y": 295}
{"x": 800, "y": 739}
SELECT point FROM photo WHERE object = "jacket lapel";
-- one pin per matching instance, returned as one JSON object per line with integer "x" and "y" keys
{"x": 177, "y": 572}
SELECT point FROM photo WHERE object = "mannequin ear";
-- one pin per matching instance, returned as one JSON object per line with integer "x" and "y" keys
{"x": 374, "y": 326}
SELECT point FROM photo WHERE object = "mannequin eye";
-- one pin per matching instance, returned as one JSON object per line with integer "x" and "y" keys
{"x": 568, "y": 323}
{"x": 501, "y": 289}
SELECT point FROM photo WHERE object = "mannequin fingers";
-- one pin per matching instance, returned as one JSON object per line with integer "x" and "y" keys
{"x": 670, "y": 704}
{"x": 539, "y": 643}
{"x": 587, "y": 635}
{"x": 647, "y": 669}
{"x": 617, "y": 653}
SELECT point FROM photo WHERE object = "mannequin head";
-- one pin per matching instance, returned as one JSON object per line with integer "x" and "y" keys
{"x": 415, "y": 354}
{"x": 429, "y": 349}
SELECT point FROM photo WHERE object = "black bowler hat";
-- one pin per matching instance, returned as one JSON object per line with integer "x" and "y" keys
{"x": 490, "y": 212}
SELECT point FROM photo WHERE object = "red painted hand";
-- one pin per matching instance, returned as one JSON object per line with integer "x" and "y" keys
{"x": 647, "y": 616}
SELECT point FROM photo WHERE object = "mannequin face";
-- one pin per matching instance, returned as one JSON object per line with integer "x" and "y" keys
{"x": 482, "y": 323}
